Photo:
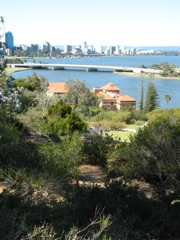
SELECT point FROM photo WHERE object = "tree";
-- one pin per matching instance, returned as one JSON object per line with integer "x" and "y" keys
{"x": 151, "y": 102}
{"x": 30, "y": 90}
{"x": 62, "y": 120}
{"x": 15, "y": 150}
{"x": 155, "y": 66}
{"x": 32, "y": 83}
{"x": 142, "y": 66}
{"x": 81, "y": 98}
{"x": 96, "y": 148}
{"x": 153, "y": 153}
{"x": 167, "y": 98}
{"x": 141, "y": 102}
{"x": 168, "y": 70}
{"x": 9, "y": 96}
{"x": 75, "y": 89}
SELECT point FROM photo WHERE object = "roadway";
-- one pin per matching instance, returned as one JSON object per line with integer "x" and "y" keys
{"x": 84, "y": 67}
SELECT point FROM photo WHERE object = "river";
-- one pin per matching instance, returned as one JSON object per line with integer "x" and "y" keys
{"x": 128, "y": 85}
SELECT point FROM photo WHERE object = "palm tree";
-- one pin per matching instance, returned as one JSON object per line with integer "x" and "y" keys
{"x": 167, "y": 98}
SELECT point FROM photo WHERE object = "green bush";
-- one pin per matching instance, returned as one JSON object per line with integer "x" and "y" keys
{"x": 153, "y": 153}
{"x": 96, "y": 148}
{"x": 114, "y": 116}
{"x": 62, "y": 120}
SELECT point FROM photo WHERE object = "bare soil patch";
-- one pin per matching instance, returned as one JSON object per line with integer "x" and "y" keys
{"x": 91, "y": 174}
{"x": 94, "y": 175}
{"x": 2, "y": 187}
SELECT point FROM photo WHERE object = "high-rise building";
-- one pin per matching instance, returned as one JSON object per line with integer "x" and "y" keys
{"x": 67, "y": 48}
{"x": 9, "y": 41}
{"x": 84, "y": 47}
{"x": 46, "y": 47}
{"x": 111, "y": 49}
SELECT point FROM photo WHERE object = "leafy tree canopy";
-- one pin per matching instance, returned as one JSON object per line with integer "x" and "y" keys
{"x": 62, "y": 120}
{"x": 32, "y": 83}
{"x": 81, "y": 98}
{"x": 151, "y": 102}
{"x": 153, "y": 153}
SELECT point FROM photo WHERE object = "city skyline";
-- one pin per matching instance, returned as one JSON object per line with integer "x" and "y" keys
{"x": 115, "y": 22}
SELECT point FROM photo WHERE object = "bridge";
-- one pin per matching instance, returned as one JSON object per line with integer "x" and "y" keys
{"x": 88, "y": 68}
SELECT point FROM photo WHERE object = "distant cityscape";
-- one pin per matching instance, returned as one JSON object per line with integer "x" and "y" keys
{"x": 9, "y": 49}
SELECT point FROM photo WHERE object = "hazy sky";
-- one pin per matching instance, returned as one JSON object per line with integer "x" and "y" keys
{"x": 98, "y": 22}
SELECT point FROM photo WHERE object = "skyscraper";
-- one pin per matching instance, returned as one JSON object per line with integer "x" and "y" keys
{"x": 9, "y": 39}
{"x": 84, "y": 47}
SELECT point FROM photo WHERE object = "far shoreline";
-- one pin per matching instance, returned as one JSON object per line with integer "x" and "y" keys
{"x": 10, "y": 71}
{"x": 146, "y": 75}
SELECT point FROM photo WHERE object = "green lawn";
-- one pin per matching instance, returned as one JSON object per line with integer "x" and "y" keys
{"x": 133, "y": 126}
{"x": 124, "y": 136}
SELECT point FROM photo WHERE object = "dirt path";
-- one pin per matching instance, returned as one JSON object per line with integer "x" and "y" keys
{"x": 2, "y": 187}
{"x": 91, "y": 174}
{"x": 94, "y": 175}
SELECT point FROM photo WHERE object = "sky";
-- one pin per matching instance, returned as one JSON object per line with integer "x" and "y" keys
{"x": 98, "y": 22}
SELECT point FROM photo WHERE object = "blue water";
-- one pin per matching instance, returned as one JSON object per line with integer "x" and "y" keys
{"x": 129, "y": 61}
{"x": 128, "y": 85}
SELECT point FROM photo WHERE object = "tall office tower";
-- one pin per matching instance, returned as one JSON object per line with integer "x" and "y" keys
{"x": 117, "y": 51}
{"x": 34, "y": 47}
{"x": 67, "y": 48}
{"x": 9, "y": 40}
{"x": 84, "y": 46}
{"x": 46, "y": 47}
{"x": 112, "y": 49}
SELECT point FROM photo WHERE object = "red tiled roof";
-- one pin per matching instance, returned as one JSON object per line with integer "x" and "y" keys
{"x": 106, "y": 96}
{"x": 57, "y": 87}
{"x": 126, "y": 98}
{"x": 110, "y": 87}
{"x": 115, "y": 96}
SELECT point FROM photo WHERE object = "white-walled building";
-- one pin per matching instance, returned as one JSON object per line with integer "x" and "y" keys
{"x": 67, "y": 48}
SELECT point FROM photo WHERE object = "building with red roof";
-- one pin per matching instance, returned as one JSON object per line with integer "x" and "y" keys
{"x": 112, "y": 99}
{"x": 110, "y": 96}
{"x": 59, "y": 88}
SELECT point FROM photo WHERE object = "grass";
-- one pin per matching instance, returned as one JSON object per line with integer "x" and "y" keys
{"x": 143, "y": 75}
{"x": 133, "y": 126}
{"x": 9, "y": 70}
{"x": 124, "y": 136}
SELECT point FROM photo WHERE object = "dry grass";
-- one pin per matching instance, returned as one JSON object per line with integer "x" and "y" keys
{"x": 143, "y": 75}
{"x": 10, "y": 70}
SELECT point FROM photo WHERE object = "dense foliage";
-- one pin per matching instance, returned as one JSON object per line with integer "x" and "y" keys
{"x": 62, "y": 120}
{"x": 168, "y": 70}
{"x": 81, "y": 98}
{"x": 153, "y": 153}
{"x": 151, "y": 102}
{"x": 43, "y": 144}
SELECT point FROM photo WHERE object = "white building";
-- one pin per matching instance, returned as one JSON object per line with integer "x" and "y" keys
{"x": 132, "y": 51}
{"x": 67, "y": 48}
{"x": 118, "y": 50}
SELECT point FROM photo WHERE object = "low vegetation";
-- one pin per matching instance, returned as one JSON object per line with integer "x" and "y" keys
{"x": 168, "y": 72}
{"x": 43, "y": 143}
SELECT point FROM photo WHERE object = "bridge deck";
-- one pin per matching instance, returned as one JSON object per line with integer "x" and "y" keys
{"x": 87, "y": 67}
